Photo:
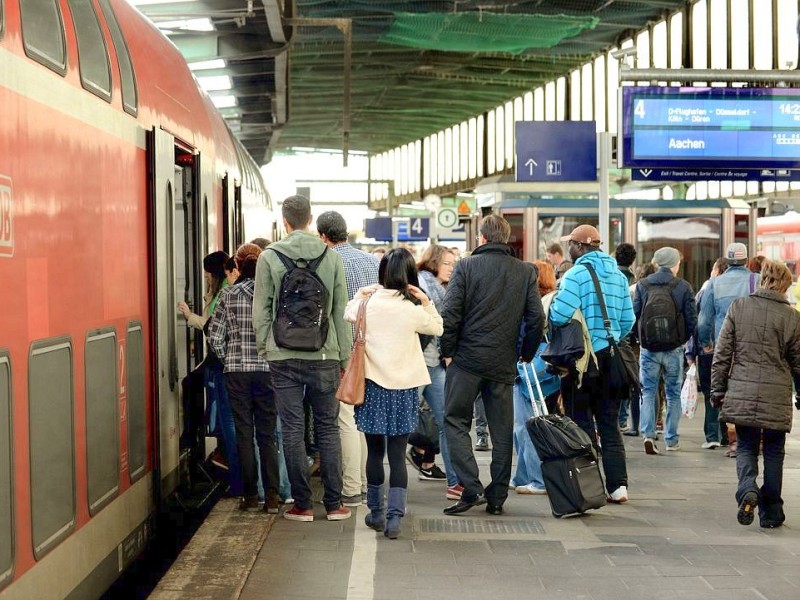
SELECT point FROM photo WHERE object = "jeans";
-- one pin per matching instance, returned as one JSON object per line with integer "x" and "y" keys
{"x": 529, "y": 467}
{"x": 284, "y": 489}
{"x": 651, "y": 367}
{"x": 461, "y": 388}
{"x": 317, "y": 380}
{"x": 749, "y": 440}
{"x": 597, "y": 401}
{"x": 480, "y": 417}
{"x": 218, "y": 394}
{"x": 434, "y": 396}
{"x": 711, "y": 424}
{"x": 254, "y": 415}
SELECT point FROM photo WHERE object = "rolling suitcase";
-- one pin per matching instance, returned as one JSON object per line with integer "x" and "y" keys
{"x": 569, "y": 462}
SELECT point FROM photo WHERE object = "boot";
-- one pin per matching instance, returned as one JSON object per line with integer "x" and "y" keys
{"x": 731, "y": 453}
{"x": 395, "y": 511}
{"x": 376, "y": 518}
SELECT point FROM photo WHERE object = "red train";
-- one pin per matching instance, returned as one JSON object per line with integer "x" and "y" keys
{"x": 779, "y": 238}
{"x": 117, "y": 175}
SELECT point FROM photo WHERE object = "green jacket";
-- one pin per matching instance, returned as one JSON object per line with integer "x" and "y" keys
{"x": 269, "y": 273}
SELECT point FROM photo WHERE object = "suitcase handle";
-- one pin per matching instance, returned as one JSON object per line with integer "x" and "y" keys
{"x": 536, "y": 409}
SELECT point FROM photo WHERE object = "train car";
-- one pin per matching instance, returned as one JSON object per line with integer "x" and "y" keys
{"x": 699, "y": 229}
{"x": 779, "y": 238}
{"x": 117, "y": 175}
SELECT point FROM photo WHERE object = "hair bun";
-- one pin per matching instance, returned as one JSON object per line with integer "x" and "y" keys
{"x": 247, "y": 253}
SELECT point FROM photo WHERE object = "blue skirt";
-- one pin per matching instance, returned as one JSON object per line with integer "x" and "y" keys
{"x": 387, "y": 412}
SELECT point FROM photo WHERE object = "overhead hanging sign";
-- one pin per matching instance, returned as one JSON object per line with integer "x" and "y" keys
{"x": 556, "y": 151}
{"x": 409, "y": 229}
{"x": 711, "y": 128}
{"x": 676, "y": 174}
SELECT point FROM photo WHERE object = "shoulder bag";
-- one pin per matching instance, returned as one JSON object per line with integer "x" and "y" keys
{"x": 621, "y": 351}
{"x": 351, "y": 387}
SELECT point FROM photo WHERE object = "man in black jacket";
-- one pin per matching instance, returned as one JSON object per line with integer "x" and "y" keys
{"x": 489, "y": 295}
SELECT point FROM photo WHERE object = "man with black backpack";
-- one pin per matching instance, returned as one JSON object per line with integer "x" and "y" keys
{"x": 298, "y": 316}
{"x": 667, "y": 317}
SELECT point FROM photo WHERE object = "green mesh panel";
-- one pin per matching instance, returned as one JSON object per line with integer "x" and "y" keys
{"x": 483, "y": 31}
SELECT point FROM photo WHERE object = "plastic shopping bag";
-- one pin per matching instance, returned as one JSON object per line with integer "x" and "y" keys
{"x": 689, "y": 393}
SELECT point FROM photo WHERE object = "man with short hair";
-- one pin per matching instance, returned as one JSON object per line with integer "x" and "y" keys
{"x": 667, "y": 316}
{"x": 736, "y": 282}
{"x": 555, "y": 256}
{"x": 625, "y": 255}
{"x": 360, "y": 270}
{"x": 298, "y": 372}
{"x": 598, "y": 396}
{"x": 489, "y": 295}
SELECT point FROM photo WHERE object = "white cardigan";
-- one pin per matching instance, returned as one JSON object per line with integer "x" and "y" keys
{"x": 393, "y": 354}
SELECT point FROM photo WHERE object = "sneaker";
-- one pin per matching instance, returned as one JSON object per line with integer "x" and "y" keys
{"x": 414, "y": 458}
{"x": 747, "y": 508}
{"x": 339, "y": 514}
{"x": 624, "y": 428}
{"x": 298, "y": 514}
{"x": 650, "y": 446}
{"x": 674, "y": 448}
{"x": 354, "y": 500}
{"x": 710, "y": 445}
{"x": 432, "y": 474}
{"x": 287, "y": 501}
{"x": 530, "y": 490}
{"x": 482, "y": 443}
{"x": 454, "y": 492}
{"x": 619, "y": 495}
{"x": 631, "y": 433}
{"x": 249, "y": 504}
{"x": 271, "y": 503}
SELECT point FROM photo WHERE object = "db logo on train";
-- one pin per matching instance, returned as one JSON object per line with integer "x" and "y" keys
{"x": 6, "y": 218}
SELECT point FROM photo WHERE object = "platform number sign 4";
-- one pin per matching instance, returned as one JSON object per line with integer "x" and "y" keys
{"x": 6, "y": 218}
{"x": 416, "y": 226}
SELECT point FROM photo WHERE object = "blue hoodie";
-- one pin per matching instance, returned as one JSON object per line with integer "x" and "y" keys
{"x": 576, "y": 290}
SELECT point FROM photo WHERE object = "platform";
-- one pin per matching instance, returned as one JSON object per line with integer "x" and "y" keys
{"x": 677, "y": 537}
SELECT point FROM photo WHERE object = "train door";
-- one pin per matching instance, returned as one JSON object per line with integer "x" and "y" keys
{"x": 164, "y": 297}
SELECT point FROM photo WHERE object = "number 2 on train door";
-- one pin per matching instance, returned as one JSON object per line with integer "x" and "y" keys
{"x": 6, "y": 218}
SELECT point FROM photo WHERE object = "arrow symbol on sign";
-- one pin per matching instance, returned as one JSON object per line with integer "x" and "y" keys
{"x": 646, "y": 172}
{"x": 530, "y": 163}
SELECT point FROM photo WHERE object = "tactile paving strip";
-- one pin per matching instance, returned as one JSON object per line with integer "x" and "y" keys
{"x": 488, "y": 527}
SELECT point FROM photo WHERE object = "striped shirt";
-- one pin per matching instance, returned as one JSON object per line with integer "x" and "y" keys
{"x": 231, "y": 332}
{"x": 360, "y": 268}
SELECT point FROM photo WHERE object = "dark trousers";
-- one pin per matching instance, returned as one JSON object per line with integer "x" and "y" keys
{"x": 253, "y": 405}
{"x": 316, "y": 380}
{"x": 749, "y": 440}
{"x": 461, "y": 388}
{"x": 597, "y": 401}
{"x": 714, "y": 429}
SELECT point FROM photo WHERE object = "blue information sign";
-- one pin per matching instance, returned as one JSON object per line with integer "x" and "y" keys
{"x": 409, "y": 229}
{"x": 556, "y": 151}
{"x": 735, "y": 174}
{"x": 711, "y": 128}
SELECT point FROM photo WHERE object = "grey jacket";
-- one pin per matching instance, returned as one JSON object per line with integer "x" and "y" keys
{"x": 755, "y": 360}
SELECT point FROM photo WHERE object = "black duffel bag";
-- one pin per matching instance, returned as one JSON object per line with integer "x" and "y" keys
{"x": 565, "y": 347}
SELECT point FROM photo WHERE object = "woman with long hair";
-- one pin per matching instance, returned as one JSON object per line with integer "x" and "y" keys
{"x": 528, "y": 476}
{"x": 435, "y": 268}
{"x": 210, "y": 370}
{"x": 247, "y": 380}
{"x": 397, "y": 311}
{"x": 756, "y": 360}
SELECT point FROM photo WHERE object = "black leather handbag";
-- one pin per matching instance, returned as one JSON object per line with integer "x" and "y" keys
{"x": 565, "y": 347}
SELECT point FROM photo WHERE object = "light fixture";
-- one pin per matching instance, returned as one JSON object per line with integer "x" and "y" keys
{"x": 204, "y": 65}
{"x": 224, "y": 101}
{"x": 216, "y": 83}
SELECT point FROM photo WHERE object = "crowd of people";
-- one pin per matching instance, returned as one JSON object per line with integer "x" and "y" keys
{"x": 442, "y": 332}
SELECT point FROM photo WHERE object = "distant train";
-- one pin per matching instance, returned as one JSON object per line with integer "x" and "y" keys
{"x": 779, "y": 239}
{"x": 117, "y": 175}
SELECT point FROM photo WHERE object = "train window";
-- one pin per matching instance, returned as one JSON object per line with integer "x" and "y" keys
{"x": 6, "y": 480}
{"x": 43, "y": 33}
{"x": 130, "y": 100}
{"x": 52, "y": 442}
{"x": 102, "y": 418}
{"x": 92, "y": 51}
{"x": 696, "y": 237}
{"x": 551, "y": 228}
{"x": 137, "y": 411}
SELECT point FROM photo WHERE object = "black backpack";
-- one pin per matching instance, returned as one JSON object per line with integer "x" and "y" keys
{"x": 301, "y": 322}
{"x": 661, "y": 325}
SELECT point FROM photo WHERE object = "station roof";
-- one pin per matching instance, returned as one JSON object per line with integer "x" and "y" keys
{"x": 416, "y": 66}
